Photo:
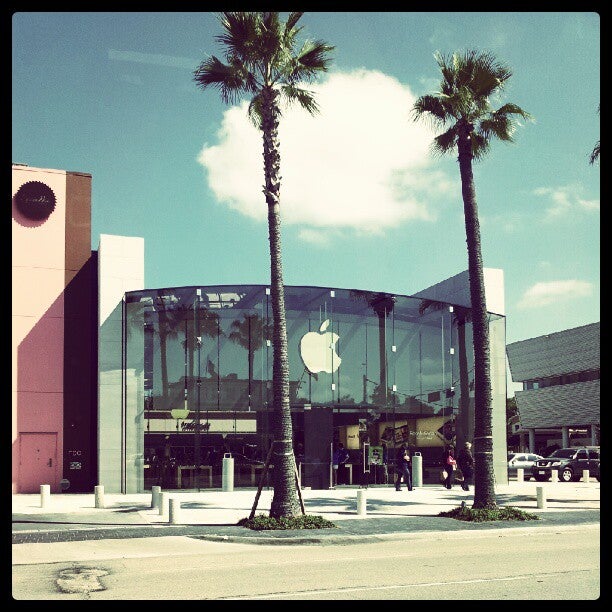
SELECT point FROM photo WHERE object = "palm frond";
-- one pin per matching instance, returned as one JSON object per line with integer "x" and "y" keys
{"x": 444, "y": 143}
{"x": 514, "y": 109}
{"x": 480, "y": 145}
{"x": 292, "y": 94}
{"x": 230, "y": 79}
{"x": 255, "y": 112}
{"x": 594, "y": 156}
{"x": 240, "y": 30}
{"x": 498, "y": 125}
{"x": 312, "y": 58}
{"x": 430, "y": 107}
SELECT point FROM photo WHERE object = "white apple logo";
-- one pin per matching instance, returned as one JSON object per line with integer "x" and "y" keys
{"x": 318, "y": 350}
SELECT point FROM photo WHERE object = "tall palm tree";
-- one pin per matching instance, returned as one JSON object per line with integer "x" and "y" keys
{"x": 594, "y": 156}
{"x": 250, "y": 332}
{"x": 462, "y": 107}
{"x": 262, "y": 60}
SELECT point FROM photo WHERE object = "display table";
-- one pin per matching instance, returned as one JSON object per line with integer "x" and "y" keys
{"x": 191, "y": 468}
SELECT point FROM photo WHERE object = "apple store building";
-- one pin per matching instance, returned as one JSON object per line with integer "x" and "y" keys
{"x": 369, "y": 370}
{"x": 129, "y": 387}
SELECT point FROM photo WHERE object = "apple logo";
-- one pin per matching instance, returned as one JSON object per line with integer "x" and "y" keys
{"x": 318, "y": 350}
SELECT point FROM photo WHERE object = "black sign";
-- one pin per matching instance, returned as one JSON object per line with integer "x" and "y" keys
{"x": 35, "y": 200}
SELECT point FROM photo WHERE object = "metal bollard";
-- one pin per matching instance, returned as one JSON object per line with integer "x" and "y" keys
{"x": 45, "y": 495}
{"x": 417, "y": 470}
{"x": 541, "y": 496}
{"x": 163, "y": 504}
{"x": 227, "y": 475}
{"x": 155, "y": 492}
{"x": 554, "y": 475}
{"x": 520, "y": 474}
{"x": 175, "y": 510}
{"x": 361, "y": 501}
{"x": 585, "y": 475}
{"x": 99, "y": 496}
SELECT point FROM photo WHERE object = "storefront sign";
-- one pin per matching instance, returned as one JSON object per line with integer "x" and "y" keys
{"x": 35, "y": 200}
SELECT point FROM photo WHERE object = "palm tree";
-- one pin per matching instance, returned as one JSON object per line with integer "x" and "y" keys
{"x": 594, "y": 156}
{"x": 250, "y": 332}
{"x": 462, "y": 107}
{"x": 263, "y": 61}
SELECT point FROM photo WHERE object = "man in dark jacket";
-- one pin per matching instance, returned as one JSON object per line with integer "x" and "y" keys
{"x": 402, "y": 466}
{"x": 465, "y": 461}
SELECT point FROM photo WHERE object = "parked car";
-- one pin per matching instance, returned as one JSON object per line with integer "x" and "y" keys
{"x": 569, "y": 463}
{"x": 521, "y": 460}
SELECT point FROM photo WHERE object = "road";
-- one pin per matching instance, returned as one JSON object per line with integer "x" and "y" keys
{"x": 507, "y": 564}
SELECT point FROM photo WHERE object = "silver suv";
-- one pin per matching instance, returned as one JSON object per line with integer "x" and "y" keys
{"x": 569, "y": 463}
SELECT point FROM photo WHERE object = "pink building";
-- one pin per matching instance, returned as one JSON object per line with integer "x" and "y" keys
{"x": 54, "y": 321}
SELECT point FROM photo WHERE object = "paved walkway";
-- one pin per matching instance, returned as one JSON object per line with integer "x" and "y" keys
{"x": 213, "y": 514}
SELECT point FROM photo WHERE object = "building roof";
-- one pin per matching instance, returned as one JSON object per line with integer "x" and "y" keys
{"x": 564, "y": 352}
{"x": 571, "y": 405}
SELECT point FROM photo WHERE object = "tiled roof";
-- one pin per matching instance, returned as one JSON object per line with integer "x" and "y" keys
{"x": 564, "y": 352}
{"x": 561, "y": 405}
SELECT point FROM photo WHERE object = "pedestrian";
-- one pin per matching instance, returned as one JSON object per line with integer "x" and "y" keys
{"x": 402, "y": 467}
{"x": 340, "y": 456}
{"x": 465, "y": 461}
{"x": 448, "y": 465}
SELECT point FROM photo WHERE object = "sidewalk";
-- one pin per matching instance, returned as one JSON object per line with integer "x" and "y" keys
{"x": 213, "y": 514}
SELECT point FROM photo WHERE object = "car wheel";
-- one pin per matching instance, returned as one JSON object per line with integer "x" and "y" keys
{"x": 566, "y": 475}
{"x": 541, "y": 478}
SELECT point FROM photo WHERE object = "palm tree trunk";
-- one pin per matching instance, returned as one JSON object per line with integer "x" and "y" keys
{"x": 284, "y": 501}
{"x": 484, "y": 481}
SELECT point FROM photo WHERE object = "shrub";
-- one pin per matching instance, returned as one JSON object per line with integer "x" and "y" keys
{"x": 481, "y": 515}
{"x": 261, "y": 522}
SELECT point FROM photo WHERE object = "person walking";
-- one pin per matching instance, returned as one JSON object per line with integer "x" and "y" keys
{"x": 449, "y": 464}
{"x": 402, "y": 467}
{"x": 465, "y": 461}
{"x": 340, "y": 456}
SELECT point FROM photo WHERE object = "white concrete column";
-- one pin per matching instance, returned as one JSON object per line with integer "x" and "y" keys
{"x": 541, "y": 497}
{"x": 227, "y": 474}
{"x": 155, "y": 492}
{"x": 361, "y": 501}
{"x": 554, "y": 475}
{"x": 520, "y": 474}
{"x": 585, "y": 475}
{"x": 45, "y": 495}
{"x": 593, "y": 435}
{"x": 99, "y": 496}
{"x": 163, "y": 504}
{"x": 532, "y": 448}
{"x": 174, "y": 510}
{"x": 565, "y": 441}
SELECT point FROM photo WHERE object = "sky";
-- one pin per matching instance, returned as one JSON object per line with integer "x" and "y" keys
{"x": 364, "y": 203}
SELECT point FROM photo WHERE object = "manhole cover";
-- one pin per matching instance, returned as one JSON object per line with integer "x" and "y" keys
{"x": 81, "y": 580}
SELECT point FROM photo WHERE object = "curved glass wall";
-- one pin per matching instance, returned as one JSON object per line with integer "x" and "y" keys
{"x": 370, "y": 370}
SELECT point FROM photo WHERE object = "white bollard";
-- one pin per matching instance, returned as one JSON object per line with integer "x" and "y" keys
{"x": 99, "y": 495}
{"x": 175, "y": 511}
{"x": 45, "y": 495}
{"x": 155, "y": 492}
{"x": 361, "y": 501}
{"x": 585, "y": 475}
{"x": 541, "y": 495}
{"x": 554, "y": 475}
{"x": 227, "y": 474}
{"x": 520, "y": 474}
{"x": 163, "y": 504}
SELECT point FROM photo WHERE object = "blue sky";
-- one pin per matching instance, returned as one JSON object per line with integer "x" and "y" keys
{"x": 364, "y": 204}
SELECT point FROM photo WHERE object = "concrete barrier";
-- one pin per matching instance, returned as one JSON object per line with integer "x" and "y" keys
{"x": 99, "y": 496}
{"x": 174, "y": 511}
{"x": 554, "y": 475}
{"x": 227, "y": 473}
{"x": 520, "y": 474}
{"x": 541, "y": 497}
{"x": 155, "y": 493}
{"x": 164, "y": 501}
{"x": 45, "y": 495}
{"x": 361, "y": 502}
{"x": 585, "y": 475}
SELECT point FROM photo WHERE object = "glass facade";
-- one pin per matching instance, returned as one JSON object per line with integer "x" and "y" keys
{"x": 369, "y": 370}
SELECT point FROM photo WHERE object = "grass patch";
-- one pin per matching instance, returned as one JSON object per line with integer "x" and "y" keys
{"x": 481, "y": 515}
{"x": 262, "y": 522}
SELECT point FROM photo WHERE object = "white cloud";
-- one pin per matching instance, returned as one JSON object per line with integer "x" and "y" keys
{"x": 543, "y": 294}
{"x": 362, "y": 163}
{"x": 566, "y": 199}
